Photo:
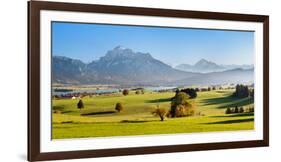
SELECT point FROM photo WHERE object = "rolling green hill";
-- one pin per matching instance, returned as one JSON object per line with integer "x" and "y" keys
{"x": 99, "y": 118}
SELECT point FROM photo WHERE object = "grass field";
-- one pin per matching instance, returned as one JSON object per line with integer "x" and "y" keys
{"x": 99, "y": 118}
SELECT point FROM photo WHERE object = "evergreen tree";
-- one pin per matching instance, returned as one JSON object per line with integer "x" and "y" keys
{"x": 80, "y": 104}
{"x": 228, "y": 111}
{"x": 241, "y": 110}
{"x": 236, "y": 110}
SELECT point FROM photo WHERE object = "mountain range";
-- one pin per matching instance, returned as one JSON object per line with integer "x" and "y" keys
{"x": 123, "y": 66}
{"x": 204, "y": 66}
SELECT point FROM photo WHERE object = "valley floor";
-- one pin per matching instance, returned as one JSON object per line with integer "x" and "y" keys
{"x": 99, "y": 118}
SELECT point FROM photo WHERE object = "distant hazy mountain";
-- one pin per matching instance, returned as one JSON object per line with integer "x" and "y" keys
{"x": 125, "y": 67}
{"x": 204, "y": 66}
{"x": 235, "y": 76}
{"x": 238, "y": 66}
{"x": 119, "y": 66}
{"x": 67, "y": 70}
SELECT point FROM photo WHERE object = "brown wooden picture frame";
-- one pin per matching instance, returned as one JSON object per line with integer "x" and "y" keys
{"x": 34, "y": 8}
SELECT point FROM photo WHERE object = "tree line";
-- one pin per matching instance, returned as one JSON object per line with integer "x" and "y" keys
{"x": 237, "y": 109}
{"x": 242, "y": 91}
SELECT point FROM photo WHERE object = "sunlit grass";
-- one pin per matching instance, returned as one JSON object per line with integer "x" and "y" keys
{"x": 99, "y": 118}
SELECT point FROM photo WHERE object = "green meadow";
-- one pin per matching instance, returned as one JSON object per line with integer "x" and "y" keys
{"x": 99, "y": 118}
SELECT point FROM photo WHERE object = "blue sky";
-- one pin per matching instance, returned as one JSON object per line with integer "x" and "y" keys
{"x": 173, "y": 46}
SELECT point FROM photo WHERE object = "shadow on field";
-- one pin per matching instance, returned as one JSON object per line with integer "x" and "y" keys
{"x": 67, "y": 122}
{"x": 222, "y": 91}
{"x": 159, "y": 100}
{"x": 68, "y": 111}
{"x": 232, "y": 121}
{"x": 233, "y": 115}
{"x": 60, "y": 108}
{"x": 99, "y": 113}
{"x": 134, "y": 121}
{"x": 228, "y": 101}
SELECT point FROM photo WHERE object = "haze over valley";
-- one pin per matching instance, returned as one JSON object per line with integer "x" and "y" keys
{"x": 124, "y": 66}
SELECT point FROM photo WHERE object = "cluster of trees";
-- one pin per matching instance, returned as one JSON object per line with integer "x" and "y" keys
{"x": 234, "y": 110}
{"x": 191, "y": 92}
{"x": 211, "y": 88}
{"x": 180, "y": 106}
{"x": 238, "y": 110}
{"x": 243, "y": 91}
{"x": 250, "y": 109}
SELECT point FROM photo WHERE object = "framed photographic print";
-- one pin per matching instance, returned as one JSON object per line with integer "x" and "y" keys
{"x": 112, "y": 80}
